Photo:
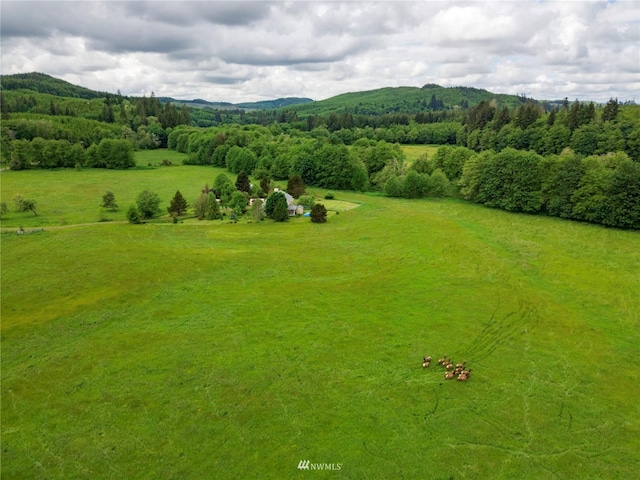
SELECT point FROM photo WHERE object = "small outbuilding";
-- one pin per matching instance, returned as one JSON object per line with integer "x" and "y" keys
{"x": 295, "y": 210}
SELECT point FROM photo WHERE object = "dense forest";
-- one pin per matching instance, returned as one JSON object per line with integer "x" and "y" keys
{"x": 574, "y": 160}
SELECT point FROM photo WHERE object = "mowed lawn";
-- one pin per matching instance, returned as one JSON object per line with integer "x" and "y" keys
{"x": 216, "y": 350}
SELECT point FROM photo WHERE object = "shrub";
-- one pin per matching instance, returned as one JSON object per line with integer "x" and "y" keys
{"x": 133, "y": 215}
{"x": 329, "y": 196}
{"x": 307, "y": 201}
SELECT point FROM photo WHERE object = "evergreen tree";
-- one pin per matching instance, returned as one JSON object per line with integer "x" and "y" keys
{"x": 318, "y": 213}
{"x": 178, "y": 204}
{"x": 573, "y": 117}
{"x": 123, "y": 115}
{"x": 185, "y": 119}
{"x": 265, "y": 185}
{"x": 280, "y": 210}
{"x": 502, "y": 118}
{"x": 107, "y": 114}
{"x": 5, "y": 107}
{"x": 296, "y": 186}
{"x": 242, "y": 182}
{"x": 610, "y": 111}
{"x": 587, "y": 114}
{"x": 526, "y": 115}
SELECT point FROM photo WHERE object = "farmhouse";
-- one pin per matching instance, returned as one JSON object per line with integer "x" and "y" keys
{"x": 293, "y": 209}
{"x": 286, "y": 195}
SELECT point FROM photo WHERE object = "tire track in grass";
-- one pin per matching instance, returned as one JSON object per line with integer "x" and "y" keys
{"x": 497, "y": 331}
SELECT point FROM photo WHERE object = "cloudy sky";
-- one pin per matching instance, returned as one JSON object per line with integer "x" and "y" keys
{"x": 246, "y": 51}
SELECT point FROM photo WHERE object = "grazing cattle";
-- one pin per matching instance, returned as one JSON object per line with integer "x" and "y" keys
{"x": 462, "y": 377}
{"x": 426, "y": 361}
{"x": 448, "y": 375}
{"x": 443, "y": 360}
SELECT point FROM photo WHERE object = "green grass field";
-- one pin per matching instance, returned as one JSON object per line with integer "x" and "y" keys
{"x": 216, "y": 350}
{"x": 412, "y": 152}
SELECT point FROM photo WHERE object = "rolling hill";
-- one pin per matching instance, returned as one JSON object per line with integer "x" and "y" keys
{"x": 43, "y": 83}
{"x": 430, "y": 97}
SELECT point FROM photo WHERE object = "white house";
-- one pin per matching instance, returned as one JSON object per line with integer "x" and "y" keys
{"x": 287, "y": 196}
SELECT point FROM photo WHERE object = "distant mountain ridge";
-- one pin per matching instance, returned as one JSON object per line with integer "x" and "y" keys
{"x": 387, "y": 100}
{"x": 260, "y": 105}
{"x": 43, "y": 83}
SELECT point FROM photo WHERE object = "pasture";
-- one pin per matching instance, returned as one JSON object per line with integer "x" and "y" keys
{"x": 412, "y": 152}
{"x": 208, "y": 349}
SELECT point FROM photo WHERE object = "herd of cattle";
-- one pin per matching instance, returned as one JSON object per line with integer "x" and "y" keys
{"x": 452, "y": 370}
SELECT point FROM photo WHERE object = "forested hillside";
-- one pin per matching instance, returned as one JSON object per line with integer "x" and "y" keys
{"x": 42, "y": 83}
{"x": 574, "y": 160}
{"x": 409, "y": 100}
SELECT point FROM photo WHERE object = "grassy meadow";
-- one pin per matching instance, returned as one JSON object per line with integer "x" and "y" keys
{"x": 217, "y": 350}
{"x": 412, "y": 152}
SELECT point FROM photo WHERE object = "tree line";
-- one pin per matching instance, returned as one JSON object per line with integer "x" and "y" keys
{"x": 601, "y": 187}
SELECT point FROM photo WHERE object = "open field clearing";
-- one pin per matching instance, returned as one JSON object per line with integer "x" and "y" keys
{"x": 68, "y": 197}
{"x": 412, "y": 152}
{"x": 210, "y": 349}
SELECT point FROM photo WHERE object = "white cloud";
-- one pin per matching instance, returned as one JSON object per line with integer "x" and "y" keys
{"x": 242, "y": 51}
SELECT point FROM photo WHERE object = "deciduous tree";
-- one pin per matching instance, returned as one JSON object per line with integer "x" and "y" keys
{"x": 109, "y": 201}
{"x": 224, "y": 188}
{"x": 200, "y": 205}
{"x": 24, "y": 204}
{"x": 238, "y": 202}
{"x": 148, "y": 204}
{"x": 213, "y": 208}
{"x": 133, "y": 215}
